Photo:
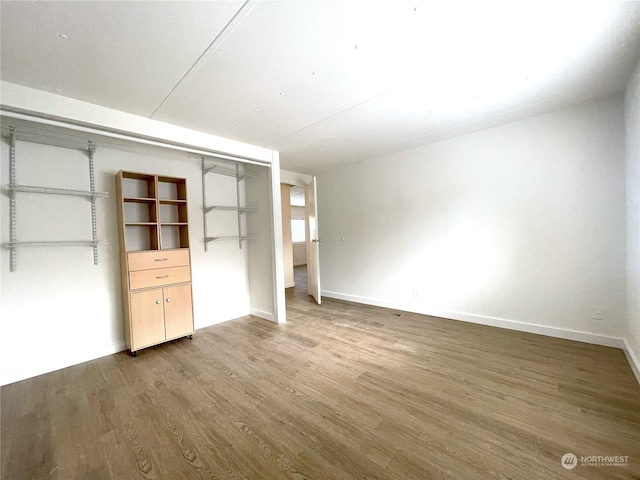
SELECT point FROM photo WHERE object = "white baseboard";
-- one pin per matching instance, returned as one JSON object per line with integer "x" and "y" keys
{"x": 567, "y": 334}
{"x": 263, "y": 314}
{"x": 53, "y": 364}
{"x": 218, "y": 320}
{"x": 586, "y": 337}
{"x": 633, "y": 359}
{"x": 290, "y": 284}
{"x": 75, "y": 358}
{"x": 215, "y": 322}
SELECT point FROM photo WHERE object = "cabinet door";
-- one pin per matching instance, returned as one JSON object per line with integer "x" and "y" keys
{"x": 147, "y": 318}
{"x": 178, "y": 312}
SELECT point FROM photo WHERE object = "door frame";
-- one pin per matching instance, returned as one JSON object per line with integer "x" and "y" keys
{"x": 299, "y": 180}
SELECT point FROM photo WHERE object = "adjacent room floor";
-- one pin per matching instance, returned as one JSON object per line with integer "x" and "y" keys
{"x": 340, "y": 391}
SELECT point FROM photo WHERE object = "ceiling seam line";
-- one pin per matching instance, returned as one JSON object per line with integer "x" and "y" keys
{"x": 217, "y": 42}
{"x": 326, "y": 118}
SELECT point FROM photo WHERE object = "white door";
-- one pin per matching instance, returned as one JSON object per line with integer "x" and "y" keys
{"x": 313, "y": 247}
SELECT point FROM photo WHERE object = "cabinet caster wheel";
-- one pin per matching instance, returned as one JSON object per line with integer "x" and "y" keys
{"x": 134, "y": 354}
{"x": 190, "y": 337}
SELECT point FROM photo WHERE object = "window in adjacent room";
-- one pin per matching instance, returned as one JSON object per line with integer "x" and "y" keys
{"x": 297, "y": 231}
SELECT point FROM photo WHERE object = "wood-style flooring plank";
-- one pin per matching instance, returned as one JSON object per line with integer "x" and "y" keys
{"x": 340, "y": 391}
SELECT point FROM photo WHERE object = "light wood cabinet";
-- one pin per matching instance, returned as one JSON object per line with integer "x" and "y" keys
{"x": 155, "y": 259}
{"x": 147, "y": 319}
{"x": 178, "y": 311}
{"x": 159, "y": 315}
{"x": 159, "y": 277}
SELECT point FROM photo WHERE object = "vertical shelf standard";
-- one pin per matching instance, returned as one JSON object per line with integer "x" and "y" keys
{"x": 155, "y": 259}
{"x": 239, "y": 174}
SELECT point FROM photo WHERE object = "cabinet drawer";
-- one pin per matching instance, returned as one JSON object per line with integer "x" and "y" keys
{"x": 157, "y": 259}
{"x": 159, "y": 276}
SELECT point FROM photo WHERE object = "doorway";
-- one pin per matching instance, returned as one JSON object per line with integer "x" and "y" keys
{"x": 300, "y": 290}
{"x": 298, "y": 227}
{"x": 300, "y": 237}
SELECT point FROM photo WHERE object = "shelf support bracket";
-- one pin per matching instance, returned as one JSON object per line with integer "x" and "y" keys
{"x": 204, "y": 202}
{"x": 238, "y": 178}
{"x": 92, "y": 183}
{"x": 12, "y": 200}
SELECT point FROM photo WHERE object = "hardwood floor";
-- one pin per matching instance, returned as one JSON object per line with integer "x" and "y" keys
{"x": 341, "y": 391}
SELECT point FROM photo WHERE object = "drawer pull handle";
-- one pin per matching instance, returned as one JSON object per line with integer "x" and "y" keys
{"x": 163, "y": 276}
{"x": 168, "y": 299}
{"x": 160, "y": 259}
{"x": 158, "y": 302}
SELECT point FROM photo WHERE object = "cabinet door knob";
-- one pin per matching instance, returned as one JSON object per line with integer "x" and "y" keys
{"x": 158, "y": 302}
{"x": 168, "y": 299}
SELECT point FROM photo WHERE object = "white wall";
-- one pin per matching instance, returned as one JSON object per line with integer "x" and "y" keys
{"x": 298, "y": 213}
{"x": 294, "y": 178}
{"x": 299, "y": 254}
{"x": 59, "y": 309}
{"x": 632, "y": 123}
{"x": 259, "y": 250}
{"x": 520, "y": 225}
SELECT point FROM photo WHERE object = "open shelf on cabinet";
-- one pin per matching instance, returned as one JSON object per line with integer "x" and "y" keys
{"x": 154, "y": 211}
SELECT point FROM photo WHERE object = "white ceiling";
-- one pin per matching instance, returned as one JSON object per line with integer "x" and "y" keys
{"x": 324, "y": 81}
